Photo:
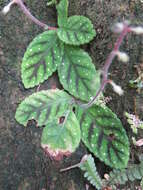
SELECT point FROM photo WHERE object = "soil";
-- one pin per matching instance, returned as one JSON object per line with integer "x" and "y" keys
{"x": 23, "y": 164}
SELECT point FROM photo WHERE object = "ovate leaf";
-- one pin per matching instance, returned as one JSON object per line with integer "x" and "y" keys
{"x": 62, "y": 9}
{"x": 77, "y": 73}
{"x": 41, "y": 59}
{"x": 104, "y": 135}
{"x": 78, "y": 30}
{"x": 43, "y": 106}
{"x": 62, "y": 138}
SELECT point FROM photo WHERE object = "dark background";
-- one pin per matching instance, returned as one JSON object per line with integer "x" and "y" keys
{"x": 23, "y": 164}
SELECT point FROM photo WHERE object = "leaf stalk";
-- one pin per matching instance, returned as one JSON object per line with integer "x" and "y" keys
{"x": 108, "y": 63}
{"x": 30, "y": 16}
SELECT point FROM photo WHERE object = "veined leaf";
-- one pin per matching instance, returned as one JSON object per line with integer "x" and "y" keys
{"x": 77, "y": 73}
{"x": 41, "y": 59}
{"x": 104, "y": 135}
{"x": 43, "y": 106}
{"x": 61, "y": 138}
{"x": 78, "y": 30}
{"x": 62, "y": 9}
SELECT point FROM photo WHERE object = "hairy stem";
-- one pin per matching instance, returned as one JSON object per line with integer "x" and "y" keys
{"x": 107, "y": 65}
{"x": 30, "y": 16}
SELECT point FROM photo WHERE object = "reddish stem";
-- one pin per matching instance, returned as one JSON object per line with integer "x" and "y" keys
{"x": 31, "y": 17}
{"x": 107, "y": 65}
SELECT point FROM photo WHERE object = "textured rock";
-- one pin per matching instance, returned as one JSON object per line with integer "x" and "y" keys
{"x": 21, "y": 158}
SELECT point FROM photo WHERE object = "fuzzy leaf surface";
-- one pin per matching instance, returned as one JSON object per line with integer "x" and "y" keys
{"x": 43, "y": 106}
{"x": 78, "y": 30}
{"x": 77, "y": 73}
{"x": 62, "y": 137}
{"x": 62, "y": 9}
{"x": 41, "y": 58}
{"x": 104, "y": 135}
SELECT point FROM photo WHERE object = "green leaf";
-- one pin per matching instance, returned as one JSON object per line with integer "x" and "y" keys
{"x": 77, "y": 73}
{"x": 104, "y": 135}
{"x": 141, "y": 183}
{"x": 43, "y": 106}
{"x": 51, "y": 2}
{"x": 62, "y": 138}
{"x": 133, "y": 172}
{"x": 87, "y": 164}
{"x": 78, "y": 30}
{"x": 62, "y": 9}
{"x": 41, "y": 58}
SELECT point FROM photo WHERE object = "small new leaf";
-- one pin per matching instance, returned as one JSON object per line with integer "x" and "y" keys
{"x": 61, "y": 138}
{"x": 77, "y": 31}
{"x": 88, "y": 166}
{"x": 41, "y": 58}
{"x": 134, "y": 122}
{"x": 43, "y": 106}
{"x": 104, "y": 135}
{"x": 77, "y": 73}
{"x": 62, "y": 9}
